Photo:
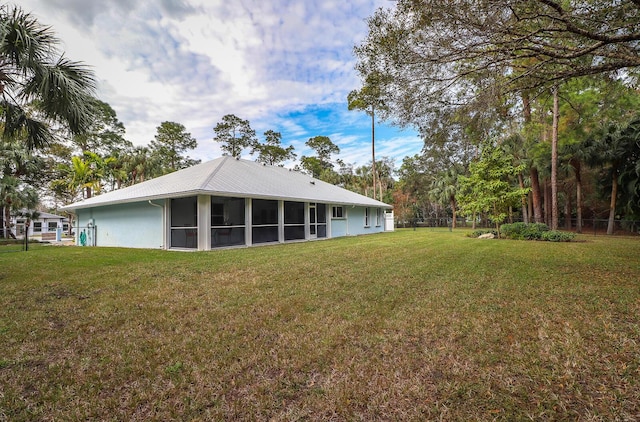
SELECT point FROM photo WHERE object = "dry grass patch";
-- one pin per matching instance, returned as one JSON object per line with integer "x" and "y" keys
{"x": 407, "y": 325}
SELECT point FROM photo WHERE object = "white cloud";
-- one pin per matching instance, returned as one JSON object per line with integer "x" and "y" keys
{"x": 285, "y": 65}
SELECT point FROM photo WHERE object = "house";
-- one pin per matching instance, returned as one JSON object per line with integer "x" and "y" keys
{"x": 223, "y": 203}
{"x": 45, "y": 226}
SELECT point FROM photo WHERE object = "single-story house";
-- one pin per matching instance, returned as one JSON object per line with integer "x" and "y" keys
{"x": 226, "y": 202}
{"x": 45, "y": 226}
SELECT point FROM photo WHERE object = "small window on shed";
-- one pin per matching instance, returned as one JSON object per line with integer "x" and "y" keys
{"x": 337, "y": 212}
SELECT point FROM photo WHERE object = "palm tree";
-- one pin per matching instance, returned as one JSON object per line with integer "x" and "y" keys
{"x": 609, "y": 149}
{"x": 368, "y": 99}
{"x": 84, "y": 173}
{"x": 33, "y": 73}
{"x": 515, "y": 145}
{"x": 15, "y": 196}
{"x": 443, "y": 191}
{"x": 576, "y": 154}
{"x": 141, "y": 165}
{"x": 116, "y": 172}
{"x": 18, "y": 167}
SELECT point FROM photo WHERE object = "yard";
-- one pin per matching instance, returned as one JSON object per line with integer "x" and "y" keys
{"x": 410, "y": 325}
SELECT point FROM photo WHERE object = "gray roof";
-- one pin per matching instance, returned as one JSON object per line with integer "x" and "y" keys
{"x": 44, "y": 215}
{"x": 227, "y": 176}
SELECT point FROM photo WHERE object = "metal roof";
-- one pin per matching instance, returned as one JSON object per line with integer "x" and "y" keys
{"x": 227, "y": 176}
{"x": 43, "y": 215}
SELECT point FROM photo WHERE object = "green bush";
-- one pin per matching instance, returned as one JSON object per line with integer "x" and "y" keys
{"x": 534, "y": 231}
{"x": 522, "y": 231}
{"x": 513, "y": 230}
{"x": 557, "y": 236}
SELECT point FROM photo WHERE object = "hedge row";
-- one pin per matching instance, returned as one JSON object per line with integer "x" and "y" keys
{"x": 531, "y": 231}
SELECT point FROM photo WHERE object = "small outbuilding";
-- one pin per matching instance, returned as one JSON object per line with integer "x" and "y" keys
{"x": 226, "y": 202}
{"x": 46, "y": 226}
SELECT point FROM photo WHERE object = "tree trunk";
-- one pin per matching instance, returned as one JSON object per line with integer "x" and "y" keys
{"x": 5, "y": 222}
{"x": 373, "y": 150}
{"x": 554, "y": 161}
{"x": 567, "y": 210}
{"x": 536, "y": 195}
{"x": 523, "y": 200}
{"x": 547, "y": 201}
{"x": 526, "y": 106}
{"x": 453, "y": 211}
{"x": 578, "y": 198}
{"x": 70, "y": 218}
{"x": 533, "y": 201}
{"x": 578, "y": 206}
{"x": 612, "y": 204}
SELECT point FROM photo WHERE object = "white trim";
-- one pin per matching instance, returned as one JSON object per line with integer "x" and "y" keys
{"x": 204, "y": 222}
{"x": 248, "y": 231}
{"x": 281, "y": 221}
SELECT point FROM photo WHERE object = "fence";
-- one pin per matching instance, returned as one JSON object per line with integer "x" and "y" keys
{"x": 589, "y": 225}
{"x": 86, "y": 236}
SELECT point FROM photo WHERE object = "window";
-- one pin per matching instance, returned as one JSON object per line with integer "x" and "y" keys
{"x": 184, "y": 222}
{"x": 52, "y": 226}
{"x": 378, "y": 217}
{"x": 293, "y": 220}
{"x": 264, "y": 219}
{"x": 227, "y": 221}
{"x": 337, "y": 212}
{"x": 37, "y": 226}
{"x": 367, "y": 222}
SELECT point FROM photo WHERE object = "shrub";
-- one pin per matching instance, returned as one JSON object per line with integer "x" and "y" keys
{"x": 512, "y": 231}
{"x": 557, "y": 236}
{"x": 522, "y": 231}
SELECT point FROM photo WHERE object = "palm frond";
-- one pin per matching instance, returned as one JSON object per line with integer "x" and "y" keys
{"x": 64, "y": 91}
{"x": 17, "y": 124}
{"x": 33, "y": 71}
{"x": 23, "y": 40}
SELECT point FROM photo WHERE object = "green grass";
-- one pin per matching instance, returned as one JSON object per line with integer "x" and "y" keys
{"x": 411, "y": 325}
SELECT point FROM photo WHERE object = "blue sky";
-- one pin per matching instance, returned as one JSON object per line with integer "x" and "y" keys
{"x": 284, "y": 65}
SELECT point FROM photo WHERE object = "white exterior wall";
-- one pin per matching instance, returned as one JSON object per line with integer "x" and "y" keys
{"x": 17, "y": 227}
{"x": 136, "y": 225}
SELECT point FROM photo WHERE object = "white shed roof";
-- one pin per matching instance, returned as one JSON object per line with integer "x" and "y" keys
{"x": 227, "y": 176}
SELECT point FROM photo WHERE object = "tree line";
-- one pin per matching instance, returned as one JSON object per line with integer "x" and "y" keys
{"x": 528, "y": 109}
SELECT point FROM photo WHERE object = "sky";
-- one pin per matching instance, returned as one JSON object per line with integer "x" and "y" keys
{"x": 283, "y": 65}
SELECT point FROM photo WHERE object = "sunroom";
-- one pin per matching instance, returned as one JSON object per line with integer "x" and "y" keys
{"x": 235, "y": 221}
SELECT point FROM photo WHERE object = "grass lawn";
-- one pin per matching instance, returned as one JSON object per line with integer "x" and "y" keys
{"x": 410, "y": 325}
